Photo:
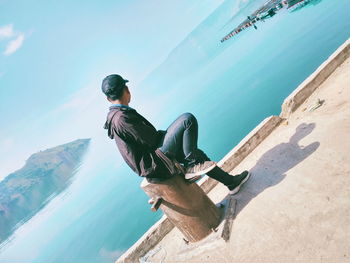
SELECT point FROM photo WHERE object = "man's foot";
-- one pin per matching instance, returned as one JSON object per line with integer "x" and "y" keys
{"x": 199, "y": 169}
{"x": 239, "y": 181}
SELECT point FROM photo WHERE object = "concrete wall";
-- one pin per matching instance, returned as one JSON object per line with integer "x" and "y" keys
{"x": 243, "y": 149}
{"x": 156, "y": 233}
{"x": 149, "y": 240}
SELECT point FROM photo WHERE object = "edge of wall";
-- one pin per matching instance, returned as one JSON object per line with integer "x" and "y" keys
{"x": 243, "y": 149}
{"x": 309, "y": 85}
{"x": 160, "y": 229}
{"x": 149, "y": 240}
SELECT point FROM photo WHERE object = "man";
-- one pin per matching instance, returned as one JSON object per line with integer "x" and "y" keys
{"x": 149, "y": 152}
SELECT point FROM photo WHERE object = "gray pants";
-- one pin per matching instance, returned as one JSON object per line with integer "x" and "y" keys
{"x": 180, "y": 141}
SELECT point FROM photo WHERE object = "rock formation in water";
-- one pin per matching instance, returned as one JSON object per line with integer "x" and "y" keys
{"x": 45, "y": 174}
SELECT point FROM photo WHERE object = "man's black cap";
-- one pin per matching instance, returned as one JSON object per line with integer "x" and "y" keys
{"x": 112, "y": 84}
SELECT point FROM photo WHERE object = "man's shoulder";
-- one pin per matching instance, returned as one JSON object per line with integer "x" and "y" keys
{"x": 123, "y": 115}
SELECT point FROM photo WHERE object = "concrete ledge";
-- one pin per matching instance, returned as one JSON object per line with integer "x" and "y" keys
{"x": 305, "y": 89}
{"x": 243, "y": 149}
{"x": 249, "y": 143}
{"x": 149, "y": 240}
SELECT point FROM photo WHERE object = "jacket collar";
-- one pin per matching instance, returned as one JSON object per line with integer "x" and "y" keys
{"x": 120, "y": 106}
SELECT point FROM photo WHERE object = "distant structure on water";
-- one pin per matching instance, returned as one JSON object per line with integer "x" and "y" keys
{"x": 269, "y": 9}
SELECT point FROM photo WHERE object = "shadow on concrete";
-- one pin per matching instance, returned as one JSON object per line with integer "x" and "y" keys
{"x": 270, "y": 169}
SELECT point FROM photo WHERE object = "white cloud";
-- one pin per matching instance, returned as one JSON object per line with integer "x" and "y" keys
{"x": 6, "y": 31}
{"x": 14, "y": 45}
{"x": 15, "y": 39}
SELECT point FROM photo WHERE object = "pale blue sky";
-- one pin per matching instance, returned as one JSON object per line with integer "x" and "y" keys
{"x": 53, "y": 55}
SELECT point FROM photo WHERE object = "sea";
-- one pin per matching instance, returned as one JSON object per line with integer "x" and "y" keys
{"x": 230, "y": 87}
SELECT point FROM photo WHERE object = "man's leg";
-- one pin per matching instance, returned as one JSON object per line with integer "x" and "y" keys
{"x": 181, "y": 139}
{"x": 233, "y": 183}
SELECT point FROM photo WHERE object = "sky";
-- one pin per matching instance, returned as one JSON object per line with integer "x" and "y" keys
{"x": 54, "y": 54}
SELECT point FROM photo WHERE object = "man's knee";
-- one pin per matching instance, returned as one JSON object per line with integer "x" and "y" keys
{"x": 189, "y": 118}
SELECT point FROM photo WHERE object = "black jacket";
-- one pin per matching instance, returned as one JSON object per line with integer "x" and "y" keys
{"x": 138, "y": 143}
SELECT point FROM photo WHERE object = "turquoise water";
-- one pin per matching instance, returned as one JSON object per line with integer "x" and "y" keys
{"x": 232, "y": 86}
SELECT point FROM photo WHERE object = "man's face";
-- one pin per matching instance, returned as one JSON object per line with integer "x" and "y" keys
{"x": 127, "y": 94}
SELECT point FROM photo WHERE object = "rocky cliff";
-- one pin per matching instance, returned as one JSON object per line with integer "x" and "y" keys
{"x": 44, "y": 175}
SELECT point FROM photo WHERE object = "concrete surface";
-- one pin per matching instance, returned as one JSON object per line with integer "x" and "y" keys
{"x": 296, "y": 206}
